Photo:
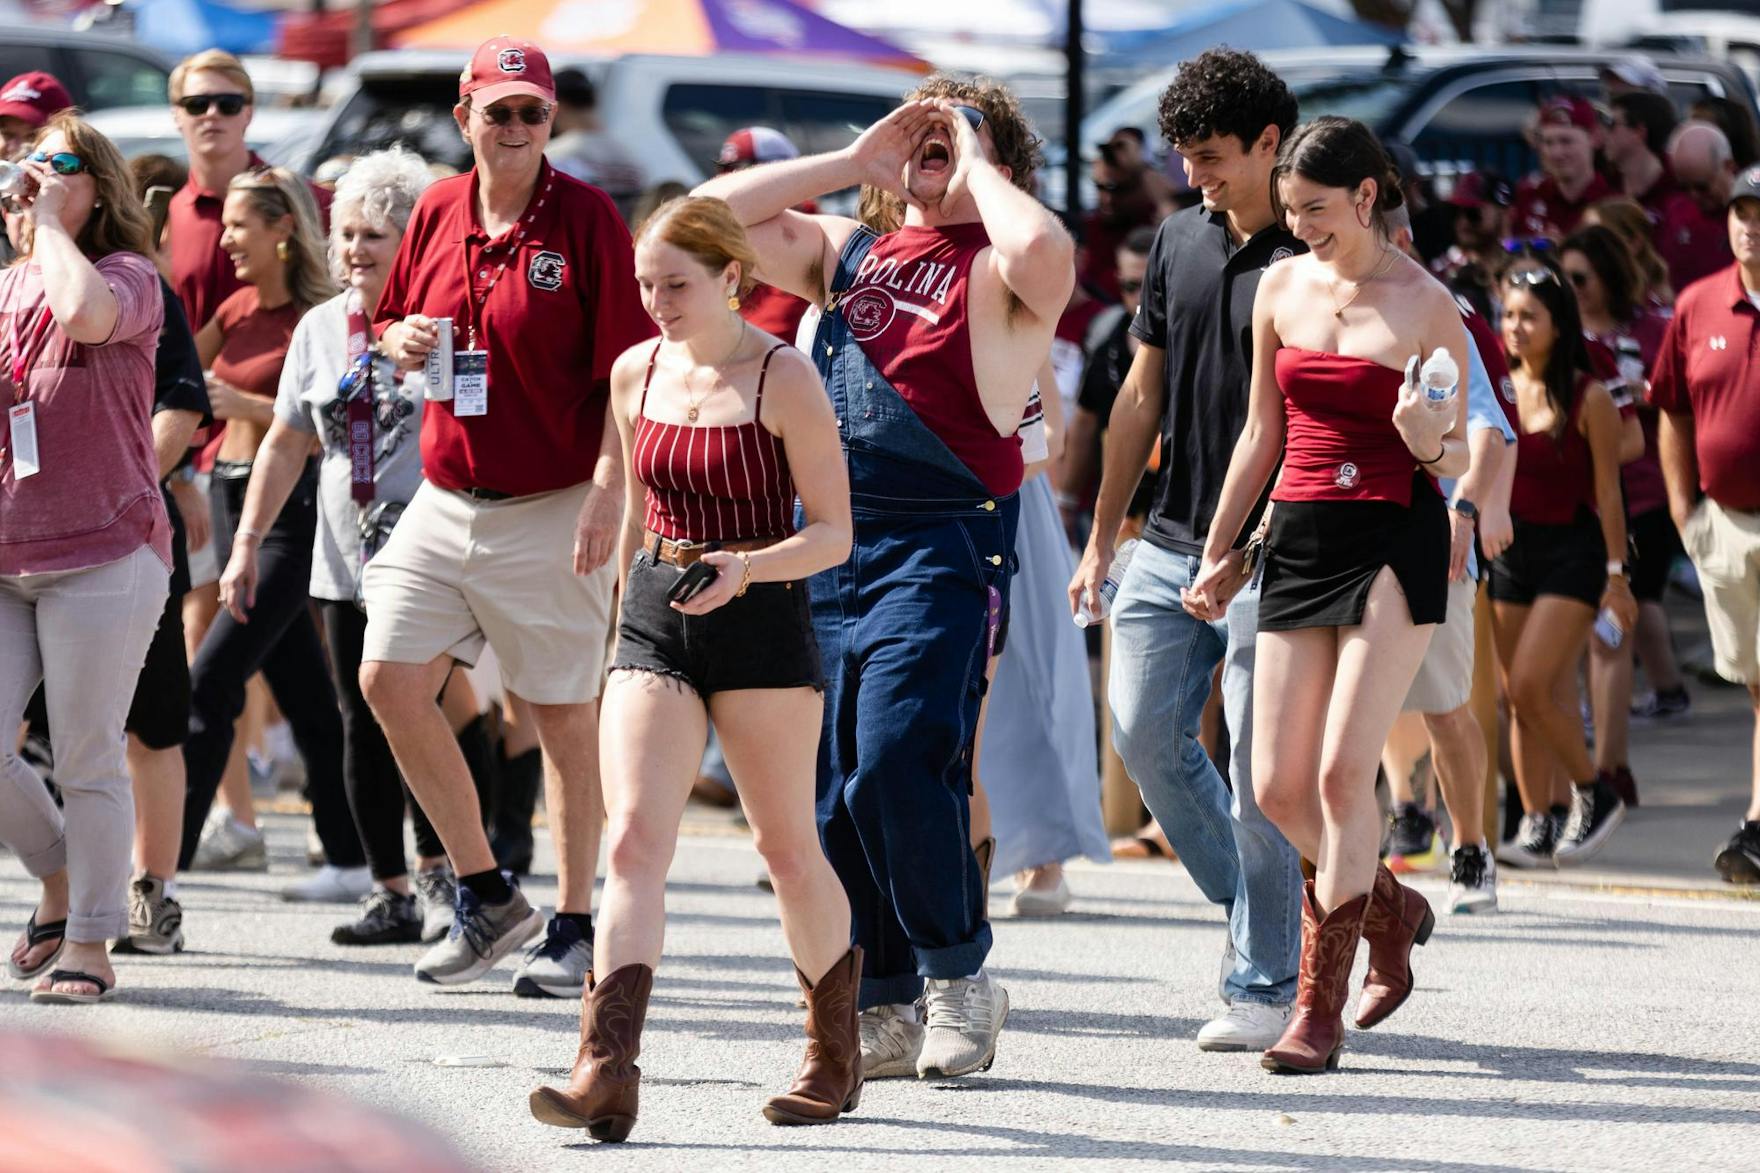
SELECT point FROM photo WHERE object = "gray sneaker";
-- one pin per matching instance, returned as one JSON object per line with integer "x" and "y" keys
{"x": 437, "y": 893}
{"x": 964, "y": 1017}
{"x": 557, "y": 966}
{"x": 481, "y": 935}
{"x": 890, "y": 1044}
{"x": 227, "y": 845}
{"x": 155, "y": 920}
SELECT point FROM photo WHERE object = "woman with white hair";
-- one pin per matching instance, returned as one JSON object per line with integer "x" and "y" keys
{"x": 365, "y": 417}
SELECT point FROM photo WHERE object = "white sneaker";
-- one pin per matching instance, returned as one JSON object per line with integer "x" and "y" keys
{"x": 227, "y": 845}
{"x": 1472, "y": 881}
{"x": 964, "y": 1017}
{"x": 558, "y": 966}
{"x": 1031, "y": 901}
{"x": 890, "y": 1044}
{"x": 1245, "y": 1026}
{"x": 331, "y": 885}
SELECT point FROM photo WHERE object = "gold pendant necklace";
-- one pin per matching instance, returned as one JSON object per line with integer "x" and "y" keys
{"x": 697, "y": 403}
{"x": 1337, "y": 309}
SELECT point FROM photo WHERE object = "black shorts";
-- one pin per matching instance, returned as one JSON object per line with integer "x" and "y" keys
{"x": 763, "y": 640}
{"x": 1322, "y": 557}
{"x": 1567, "y": 560}
{"x": 1656, "y": 544}
{"x": 159, "y": 713}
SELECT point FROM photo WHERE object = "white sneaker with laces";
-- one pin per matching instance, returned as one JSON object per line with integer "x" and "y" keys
{"x": 227, "y": 845}
{"x": 1245, "y": 1026}
{"x": 331, "y": 885}
{"x": 964, "y": 1016}
{"x": 890, "y": 1044}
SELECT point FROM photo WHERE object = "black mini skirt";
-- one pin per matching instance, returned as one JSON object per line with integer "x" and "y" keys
{"x": 1322, "y": 557}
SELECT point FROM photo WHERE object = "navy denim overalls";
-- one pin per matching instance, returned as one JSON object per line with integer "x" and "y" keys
{"x": 904, "y": 627}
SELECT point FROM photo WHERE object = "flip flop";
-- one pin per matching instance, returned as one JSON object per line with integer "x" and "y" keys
{"x": 1139, "y": 847}
{"x": 105, "y": 990}
{"x": 34, "y": 935}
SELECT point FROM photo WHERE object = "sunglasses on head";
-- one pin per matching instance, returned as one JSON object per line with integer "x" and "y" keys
{"x": 61, "y": 162}
{"x": 195, "y": 105}
{"x": 1531, "y": 277}
{"x": 1526, "y": 244}
{"x": 499, "y": 115}
{"x": 1130, "y": 286}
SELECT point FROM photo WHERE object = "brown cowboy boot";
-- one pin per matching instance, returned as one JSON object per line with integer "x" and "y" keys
{"x": 1315, "y": 1034}
{"x": 603, "y": 1088}
{"x": 830, "y": 1079}
{"x": 1398, "y": 918}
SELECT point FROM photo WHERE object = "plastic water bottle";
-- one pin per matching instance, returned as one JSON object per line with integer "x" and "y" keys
{"x": 15, "y": 184}
{"x": 1440, "y": 376}
{"x": 1121, "y": 561}
{"x": 1608, "y": 629}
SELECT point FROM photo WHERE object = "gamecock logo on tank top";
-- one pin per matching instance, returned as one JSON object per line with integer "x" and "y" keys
{"x": 885, "y": 287}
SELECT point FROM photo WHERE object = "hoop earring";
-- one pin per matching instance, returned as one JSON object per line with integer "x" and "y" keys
{"x": 281, "y": 251}
{"x": 1363, "y": 217}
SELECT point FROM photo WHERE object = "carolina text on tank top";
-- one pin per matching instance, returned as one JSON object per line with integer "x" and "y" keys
{"x": 680, "y": 464}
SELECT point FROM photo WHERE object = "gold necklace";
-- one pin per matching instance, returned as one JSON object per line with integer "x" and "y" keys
{"x": 697, "y": 403}
{"x": 1338, "y": 310}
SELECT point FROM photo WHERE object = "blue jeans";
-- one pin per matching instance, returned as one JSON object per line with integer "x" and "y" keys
{"x": 1162, "y": 662}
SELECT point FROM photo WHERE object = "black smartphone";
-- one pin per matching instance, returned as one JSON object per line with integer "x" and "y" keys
{"x": 158, "y": 203}
{"x": 690, "y": 584}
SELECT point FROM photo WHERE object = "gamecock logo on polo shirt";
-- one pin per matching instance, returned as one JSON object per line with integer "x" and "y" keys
{"x": 511, "y": 61}
{"x": 546, "y": 271}
{"x": 1347, "y": 476}
{"x": 869, "y": 313}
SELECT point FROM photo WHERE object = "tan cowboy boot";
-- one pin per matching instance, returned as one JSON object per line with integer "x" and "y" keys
{"x": 830, "y": 1079}
{"x": 1398, "y": 919}
{"x": 603, "y": 1088}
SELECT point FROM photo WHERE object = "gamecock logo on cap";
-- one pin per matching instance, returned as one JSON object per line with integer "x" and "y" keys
{"x": 512, "y": 61}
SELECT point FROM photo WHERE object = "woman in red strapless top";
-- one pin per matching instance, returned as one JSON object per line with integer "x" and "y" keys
{"x": 1356, "y": 557}
{"x": 722, "y": 426}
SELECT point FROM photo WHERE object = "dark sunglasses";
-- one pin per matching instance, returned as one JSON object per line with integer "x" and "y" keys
{"x": 974, "y": 117}
{"x": 1577, "y": 277}
{"x": 196, "y": 105}
{"x": 1531, "y": 277}
{"x": 1130, "y": 286}
{"x": 1521, "y": 244}
{"x": 530, "y": 115}
{"x": 61, "y": 162}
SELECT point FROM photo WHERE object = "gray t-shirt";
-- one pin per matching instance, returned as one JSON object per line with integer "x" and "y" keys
{"x": 308, "y": 400}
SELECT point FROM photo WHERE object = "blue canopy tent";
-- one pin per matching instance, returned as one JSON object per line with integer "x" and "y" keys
{"x": 1257, "y": 25}
{"x": 182, "y": 27}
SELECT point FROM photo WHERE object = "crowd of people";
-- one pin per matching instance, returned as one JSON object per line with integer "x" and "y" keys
{"x": 1338, "y": 491}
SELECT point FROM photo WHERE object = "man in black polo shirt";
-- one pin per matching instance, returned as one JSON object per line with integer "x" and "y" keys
{"x": 1226, "y": 114}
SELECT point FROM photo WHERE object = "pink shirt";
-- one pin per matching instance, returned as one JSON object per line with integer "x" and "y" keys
{"x": 97, "y": 497}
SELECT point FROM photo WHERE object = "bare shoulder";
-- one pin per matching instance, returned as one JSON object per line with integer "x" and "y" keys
{"x": 634, "y": 361}
{"x": 792, "y": 390}
{"x": 1421, "y": 290}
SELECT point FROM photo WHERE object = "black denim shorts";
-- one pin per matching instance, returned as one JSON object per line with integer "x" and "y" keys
{"x": 761, "y": 640}
{"x": 1569, "y": 560}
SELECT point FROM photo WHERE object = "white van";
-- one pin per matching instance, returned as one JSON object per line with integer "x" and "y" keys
{"x": 670, "y": 113}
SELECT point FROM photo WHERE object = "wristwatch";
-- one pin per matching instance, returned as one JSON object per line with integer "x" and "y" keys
{"x": 1615, "y": 566}
{"x": 1465, "y": 508}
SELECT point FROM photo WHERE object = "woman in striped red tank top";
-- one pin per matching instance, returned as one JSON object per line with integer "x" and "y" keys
{"x": 722, "y": 427}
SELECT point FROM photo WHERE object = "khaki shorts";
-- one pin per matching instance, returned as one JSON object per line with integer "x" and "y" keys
{"x": 459, "y": 573}
{"x": 1445, "y": 678}
{"x": 1724, "y": 545}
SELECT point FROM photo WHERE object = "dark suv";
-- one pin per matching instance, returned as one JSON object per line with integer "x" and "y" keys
{"x": 100, "y": 70}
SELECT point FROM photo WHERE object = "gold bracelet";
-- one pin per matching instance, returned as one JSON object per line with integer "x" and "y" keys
{"x": 747, "y": 580}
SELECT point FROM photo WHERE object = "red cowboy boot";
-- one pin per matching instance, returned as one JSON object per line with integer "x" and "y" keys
{"x": 1315, "y": 1034}
{"x": 603, "y": 1088}
{"x": 830, "y": 1079}
{"x": 1398, "y": 919}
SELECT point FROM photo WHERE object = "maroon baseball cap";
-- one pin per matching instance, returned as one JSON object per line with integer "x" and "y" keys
{"x": 1567, "y": 111}
{"x": 33, "y": 97}
{"x": 503, "y": 67}
{"x": 756, "y": 144}
{"x": 1475, "y": 189}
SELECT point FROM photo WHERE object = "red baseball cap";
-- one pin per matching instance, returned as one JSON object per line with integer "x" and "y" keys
{"x": 1475, "y": 189}
{"x": 1568, "y": 111}
{"x": 33, "y": 97}
{"x": 756, "y": 144}
{"x": 503, "y": 67}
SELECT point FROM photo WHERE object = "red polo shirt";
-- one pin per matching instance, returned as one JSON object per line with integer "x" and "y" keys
{"x": 201, "y": 275}
{"x": 1541, "y": 209}
{"x": 562, "y": 310}
{"x": 1706, "y": 369}
{"x": 1694, "y": 243}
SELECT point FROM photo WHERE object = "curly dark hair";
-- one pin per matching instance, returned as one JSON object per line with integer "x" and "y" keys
{"x": 1017, "y": 147}
{"x": 1225, "y": 91}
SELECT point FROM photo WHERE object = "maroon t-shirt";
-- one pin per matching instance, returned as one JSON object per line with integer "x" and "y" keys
{"x": 1541, "y": 209}
{"x": 1694, "y": 242}
{"x": 563, "y": 308}
{"x": 772, "y": 310}
{"x": 255, "y": 342}
{"x": 1705, "y": 369}
{"x": 908, "y": 308}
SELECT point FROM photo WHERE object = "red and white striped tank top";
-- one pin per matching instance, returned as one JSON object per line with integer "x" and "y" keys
{"x": 714, "y": 484}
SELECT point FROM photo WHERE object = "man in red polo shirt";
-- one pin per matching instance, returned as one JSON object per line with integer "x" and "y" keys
{"x": 1708, "y": 437}
{"x": 211, "y": 102}
{"x": 1551, "y": 201}
{"x": 523, "y": 279}
{"x": 1693, "y": 232}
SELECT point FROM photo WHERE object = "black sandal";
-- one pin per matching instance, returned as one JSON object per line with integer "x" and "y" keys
{"x": 34, "y": 935}
{"x": 105, "y": 990}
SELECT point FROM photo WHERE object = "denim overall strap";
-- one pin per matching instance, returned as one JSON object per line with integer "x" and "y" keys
{"x": 895, "y": 461}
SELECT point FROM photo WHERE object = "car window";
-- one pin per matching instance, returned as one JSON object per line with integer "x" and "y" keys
{"x": 17, "y": 59}
{"x": 1482, "y": 128}
{"x": 701, "y": 117}
{"x": 1370, "y": 99}
{"x": 413, "y": 111}
{"x": 118, "y": 79}
{"x": 819, "y": 122}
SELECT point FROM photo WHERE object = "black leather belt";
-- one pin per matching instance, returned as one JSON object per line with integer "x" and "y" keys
{"x": 486, "y": 494}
